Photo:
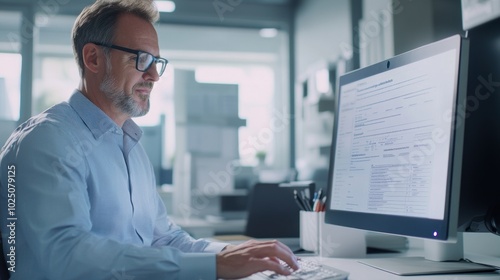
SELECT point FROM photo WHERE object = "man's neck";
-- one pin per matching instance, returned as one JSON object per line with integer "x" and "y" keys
{"x": 99, "y": 99}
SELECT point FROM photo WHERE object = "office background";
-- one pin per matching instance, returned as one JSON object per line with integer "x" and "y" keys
{"x": 270, "y": 65}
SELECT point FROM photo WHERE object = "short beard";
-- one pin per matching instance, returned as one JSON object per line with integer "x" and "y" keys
{"x": 119, "y": 98}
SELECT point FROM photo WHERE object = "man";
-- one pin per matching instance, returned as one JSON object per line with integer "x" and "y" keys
{"x": 84, "y": 199}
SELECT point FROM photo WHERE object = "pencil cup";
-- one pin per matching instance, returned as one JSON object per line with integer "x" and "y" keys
{"x": 309, "y": 230}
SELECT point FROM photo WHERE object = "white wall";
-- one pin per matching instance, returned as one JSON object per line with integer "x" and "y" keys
{"x": 322, "y": 27}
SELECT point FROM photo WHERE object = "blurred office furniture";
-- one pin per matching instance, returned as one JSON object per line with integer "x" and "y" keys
{"x": 316, "y": 91}
{"x": 152, "y": 140}
{"x": 315, "y": 106}
{"x": 207, "y": 154}
{"x": 275, "y": 175}
{"x": 245, "y": 176}
{"x": 203, "y": 228}
{"x": 272, "y": 212}
{"x": 317, "y": 174}
{"x": 268, "y": 175}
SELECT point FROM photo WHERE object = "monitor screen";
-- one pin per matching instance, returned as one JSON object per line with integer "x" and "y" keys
{"x": 395, "y": 161}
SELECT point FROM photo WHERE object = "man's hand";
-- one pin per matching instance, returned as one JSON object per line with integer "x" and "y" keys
{"x": 253, "y": 256}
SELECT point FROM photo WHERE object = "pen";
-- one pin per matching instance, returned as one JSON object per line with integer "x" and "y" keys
{"x": 315, "y": 202}
{"x": 317, "y": 206}
{"x": 298, "y": 200}
{"x": 320, "y": 193}
{"x": 323, "y": 204}
{"x": 305, "y": 201}
{"x": 319, "y": 203}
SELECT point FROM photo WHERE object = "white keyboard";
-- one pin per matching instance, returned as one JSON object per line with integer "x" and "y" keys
{"x": 308, "y": 269}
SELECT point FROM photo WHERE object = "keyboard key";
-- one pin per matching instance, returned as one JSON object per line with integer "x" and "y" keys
{"x": 310, "y": 270}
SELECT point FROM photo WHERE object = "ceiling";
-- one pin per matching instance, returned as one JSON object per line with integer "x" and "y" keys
{"x": 237, "y": 13}
{"x": 52, "y": 21}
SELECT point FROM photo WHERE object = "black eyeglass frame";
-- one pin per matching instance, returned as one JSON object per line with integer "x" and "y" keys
{"x": 138, "y": 53}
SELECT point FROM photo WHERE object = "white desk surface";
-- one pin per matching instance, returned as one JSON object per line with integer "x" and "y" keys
{"x": 359, "y": 271}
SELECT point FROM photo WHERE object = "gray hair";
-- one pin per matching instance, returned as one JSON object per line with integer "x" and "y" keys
{"x": 96, "y": 23}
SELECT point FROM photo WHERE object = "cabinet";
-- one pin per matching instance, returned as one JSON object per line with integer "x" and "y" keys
{"x": 206, "y": 135}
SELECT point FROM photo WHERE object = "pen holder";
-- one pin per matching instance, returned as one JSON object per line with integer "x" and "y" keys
{"x": 310, "y": 230}
{"x": 329, "y": 240}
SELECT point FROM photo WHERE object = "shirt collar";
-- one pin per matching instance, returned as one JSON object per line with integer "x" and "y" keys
{"x": 97, "y": 121}
{"x": 132, "y": 130}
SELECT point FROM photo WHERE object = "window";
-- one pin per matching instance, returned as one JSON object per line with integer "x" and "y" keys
{"x": 10, "y": 84}
{"x": 11, "y": 59}
{"x": 256, "y": 89}
{"x": 58, "y": 78}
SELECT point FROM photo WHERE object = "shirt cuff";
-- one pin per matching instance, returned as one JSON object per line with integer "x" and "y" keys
{"x": 199, "y": 266}
{"x": 215, "y": 247}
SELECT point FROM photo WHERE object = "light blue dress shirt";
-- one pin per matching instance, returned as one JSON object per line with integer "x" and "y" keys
{"x": 86, "y": 205}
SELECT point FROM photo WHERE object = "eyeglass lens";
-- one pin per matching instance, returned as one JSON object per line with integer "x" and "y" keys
{"x": 145, "y": 60}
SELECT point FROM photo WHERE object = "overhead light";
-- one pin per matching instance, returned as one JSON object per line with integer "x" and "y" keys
{"x": 268, "y": 32}
{"x": 165, "y": 6}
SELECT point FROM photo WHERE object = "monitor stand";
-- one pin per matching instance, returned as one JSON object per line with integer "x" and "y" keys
{"x": 440, "y": 258}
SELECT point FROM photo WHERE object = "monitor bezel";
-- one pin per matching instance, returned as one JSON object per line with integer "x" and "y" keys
{"x": 414, "y": 226}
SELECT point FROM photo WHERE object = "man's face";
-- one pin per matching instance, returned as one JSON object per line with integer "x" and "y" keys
{"x": 123, "y": 85}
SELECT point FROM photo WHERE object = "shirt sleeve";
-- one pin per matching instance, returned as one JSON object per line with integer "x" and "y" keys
{"x": 54, "y": 227}
{"x": 167, "y": 233}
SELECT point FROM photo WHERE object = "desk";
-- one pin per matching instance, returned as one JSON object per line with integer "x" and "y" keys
{"x": 359, "y": 271}
{"x": 474, "y": 250}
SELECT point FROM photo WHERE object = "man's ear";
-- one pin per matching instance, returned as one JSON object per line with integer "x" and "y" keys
{"x": 93, "y": 58}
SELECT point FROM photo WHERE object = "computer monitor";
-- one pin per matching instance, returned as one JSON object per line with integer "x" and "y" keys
{"x": 396, "y": 156}
{"x": 479, "y": 190}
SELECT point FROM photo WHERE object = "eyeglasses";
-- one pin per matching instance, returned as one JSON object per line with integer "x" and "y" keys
{"x": 144, "y": 60}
